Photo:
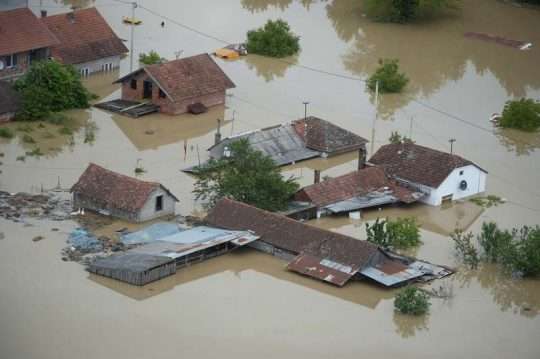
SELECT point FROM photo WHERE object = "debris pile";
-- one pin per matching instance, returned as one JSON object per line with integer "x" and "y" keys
{"x": 84, "y": 247}
{"x": 18, "y": 206}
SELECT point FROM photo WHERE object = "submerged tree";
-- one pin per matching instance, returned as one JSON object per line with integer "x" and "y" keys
{"x": 273, "y": 39}
{"x": 523, "y": 114}
{"x": 412, "y": 300}
{"x": 396, "y": 138}
{"x": 388, "y": 77}
{"x": 248, "y": 176}
{"x": 400, "y": 233}
{"x": 150, "y": 58}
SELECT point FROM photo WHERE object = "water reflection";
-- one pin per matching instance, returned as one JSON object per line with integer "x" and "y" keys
{"x": 520, "y": 142}
{"x": 254, "y": 6}
{"x": 75, "y": 3}
{"x": 408, "y": 325}
{"x": 268, "y": 68}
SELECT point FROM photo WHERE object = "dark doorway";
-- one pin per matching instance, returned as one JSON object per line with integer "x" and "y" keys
{"x": 147, "y": 91}
{"x": 159, "y": 203}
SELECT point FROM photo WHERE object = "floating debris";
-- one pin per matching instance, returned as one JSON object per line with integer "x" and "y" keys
{"x": 51, "y": 205}
{"x": 38, "y": 238}
{"x": 516, "y": 44}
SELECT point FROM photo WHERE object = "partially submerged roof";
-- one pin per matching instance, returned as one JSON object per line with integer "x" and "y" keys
{"x": 188, "y": 77}
{"x": 84, "y": 36}
{"x": 10, "y": 100}
{"x": 418, "y": 164}
{"x": 21, "y": 30}
{"x": 362, "y": 183}
{"x": 114, "y": 190}
{"x": 129, "y": 262}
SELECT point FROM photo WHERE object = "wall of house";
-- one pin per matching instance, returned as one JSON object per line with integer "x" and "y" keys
{"x": 476, "y": 183}
{"x": 268, "y": 248}
{"x": 149, "y": 212}
{"x": 82, "y": 201}
{"x": 100, "y": 65}
{"x": 17, "y": 70}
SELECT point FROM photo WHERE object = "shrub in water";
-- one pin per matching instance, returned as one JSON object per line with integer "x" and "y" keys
{"x": 522, "y": 114}
{"x": 388, "y": 77}
{"x": 6, "y": 132}
{"x": 412, "y": 300}
{"x": 274, "y": 39}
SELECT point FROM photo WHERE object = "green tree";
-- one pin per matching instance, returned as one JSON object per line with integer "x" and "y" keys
{"x": 247, "y": 176}
{"x": 465, "y": 249}
{"x": 273, "y": 39}
{"x": 400, "y": 233}
{"x": 412, "y": 300}
{"x": 523, "y": 114}
{"x": 396, "y": 138}
{"x": 402, "y": 11}
{"x": 150, "y": 58}
{"x": 388, "y": 77}
{"x": 50, "y": 87}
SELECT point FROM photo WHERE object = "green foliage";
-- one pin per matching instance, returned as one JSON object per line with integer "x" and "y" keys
{"x": 465, "y": 248}
{"x": 389, "y": 78}
{"x": 523, "y": 114}
{"x": 50, "y": 87}
{"x": 274, "y": 39}
{"x": 58, "y": 118}
{"x": 150, "y": 58}
{"x": 396, "y": 138}
{"x": 247, "y": 176}
{"x": 36, "y": 152}
{"x": 28, "y": 139}
{"x": 411, "y": 300}
{"x": 400, "y": 233}
{"x": 6, "y": 132}
{"x": 25, "y": 128}
{"x": 90, "y": 132}
{"x": 402, "y": 11}
{"x": 139, "y": 170}
{"x": 64, "y": 130}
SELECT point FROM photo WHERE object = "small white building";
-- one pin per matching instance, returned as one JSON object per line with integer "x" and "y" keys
{"x": 441, "y": 176}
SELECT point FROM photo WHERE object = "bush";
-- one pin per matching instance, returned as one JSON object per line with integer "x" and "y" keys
{"x": 397, "y": 138}
{"x": 522, "y": 114}
{"x": 274, "y": 39}
{"x": 6, "y": 132}
{"x": 50, "y": 87}
{"x": 400, "y": 233}
{"x": 151, "y": 58}
{"x": 389, "y": 78}
{"x": 465, "y": 248}
{"x": 412, "y": 300}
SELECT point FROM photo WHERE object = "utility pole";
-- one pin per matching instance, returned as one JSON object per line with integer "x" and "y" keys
{"x": 452, "y": 140}
{"x": 375, "y": 117}
{"x": 305, "y": 109}
{"x": 133, "y": 7}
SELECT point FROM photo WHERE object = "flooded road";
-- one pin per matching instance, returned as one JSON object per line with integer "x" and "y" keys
{"x": 245, "y": 304}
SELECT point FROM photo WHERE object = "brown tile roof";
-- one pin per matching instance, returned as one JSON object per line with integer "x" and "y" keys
{"x": 21, "y": 30}
{"x": 291, "y": 235}
{"x": 114, "y": 190}
{"x": 324, "y": 136}
{"x": 187, "y": 77}
{"x": 84, "y": 36}
{"x": 9, "y": 98}
{"x": 357, "y": 183}
{"x": 418, "y": 164}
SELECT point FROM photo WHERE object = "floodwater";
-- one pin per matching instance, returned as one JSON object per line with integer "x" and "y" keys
{"x": 245, "y": 304}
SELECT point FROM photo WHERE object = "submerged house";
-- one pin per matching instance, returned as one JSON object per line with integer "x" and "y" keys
{"x": 439, "y": 175}
{"x": 86, "y": 41}
{"x": 117, "y": 195}
{"x": 179, "y": 85}
{"x": 300, "y": 140}
{"x": 364, "y": 188}
{"x": 318, "y": 253}
{"x": 23, "y": 39}
{"x": 10, "y": 102}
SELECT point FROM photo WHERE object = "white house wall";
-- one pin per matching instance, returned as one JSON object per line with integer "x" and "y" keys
{"x": 476, "y": 183}
{"x": 149, "y": 212}
{"x": 99, "y": 65}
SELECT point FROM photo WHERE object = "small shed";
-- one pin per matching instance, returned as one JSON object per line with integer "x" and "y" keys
{"x": 110, "y": 193}
{"x": 9, "y": 101}
{"x": 175, "y": 86}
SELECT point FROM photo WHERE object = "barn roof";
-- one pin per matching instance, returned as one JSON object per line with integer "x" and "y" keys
{"x": 354, "y": 184}
{"x": 418, "y": 164}
{"x": 187, "y": 77}
{"x": 291, "y": 235}
{"x": 114, "y": 190}
{"x": 84, "y": 36}
{"x": 21, "y": 30}
{"x": 9, "y": 98}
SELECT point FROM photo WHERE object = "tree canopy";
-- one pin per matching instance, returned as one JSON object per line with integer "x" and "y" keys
{"x": 388, "y": 76}
{"x": 150, "y": 58}
{"x": 247, "y": 176}
{"x": 273, "y": 39}
{"x": 49, "y": 87}
{"x": 523, "y": 114}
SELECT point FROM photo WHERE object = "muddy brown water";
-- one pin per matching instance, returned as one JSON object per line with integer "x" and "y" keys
{"x": 245, "y": 304}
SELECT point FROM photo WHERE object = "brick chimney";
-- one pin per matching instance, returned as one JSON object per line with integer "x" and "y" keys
{"x": 361, "y": 158}
{"x": 316, "y": 176}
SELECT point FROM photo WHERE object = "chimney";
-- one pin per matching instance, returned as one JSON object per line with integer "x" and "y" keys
{"x": 317, "y": 176}
{"x": 217, "y": 136}
{"x": 43, "y": 13}
{"x": 361, "y": 158}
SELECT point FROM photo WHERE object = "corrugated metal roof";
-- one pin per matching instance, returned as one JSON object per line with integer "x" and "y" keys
{"x": 371, "y": 200}
{"x": 323, "y": 269}
{"x": 130, "y": 261}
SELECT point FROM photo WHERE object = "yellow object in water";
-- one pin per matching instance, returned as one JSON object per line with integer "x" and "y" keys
{"x": 227, "y": 54}
{"x": 132, "y": 21}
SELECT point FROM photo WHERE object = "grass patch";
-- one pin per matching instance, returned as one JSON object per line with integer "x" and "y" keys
{"x": 48, "y": 135}
{"x": 60, "y": 119}
{"x": 488, "y": 201}
{"x": 25, "y": 128}
{"x": 6, "y": 132}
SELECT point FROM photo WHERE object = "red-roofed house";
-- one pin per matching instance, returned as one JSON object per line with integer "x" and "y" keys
{"x": 117, "y": 195}
{"x": 176, "y": 85}
{"x": 23, "y": 39}
{"x": 86, "y": 41}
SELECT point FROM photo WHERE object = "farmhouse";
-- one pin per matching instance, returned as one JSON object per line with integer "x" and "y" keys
{"x": 9, "y": 101}
{"x": 300, "y": 140}
{"x": 440, "y": 176}
{"x": 86, "y": 41}
{"x": 178, "y": 86}
{"x": 23, "y": 39}
{"x": 117, "y": 195}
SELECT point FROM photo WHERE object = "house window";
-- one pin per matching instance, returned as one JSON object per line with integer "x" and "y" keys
{"x": 10, "y": 61}
{"x": 133, "y": 84}
{"x": 461, "y": 173}
{"x": 159, "y": 203}
{"x": 85, "y": 71}
{"x": 161, "y": 93}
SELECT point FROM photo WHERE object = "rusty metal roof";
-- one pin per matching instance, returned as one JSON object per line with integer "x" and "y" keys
{"x": 322, "y": 269}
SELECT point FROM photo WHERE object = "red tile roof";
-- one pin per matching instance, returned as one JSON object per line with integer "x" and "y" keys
{"x": 292, "y": 235}
{"x": 357, "y": 183}
{"x": 21, "y": 30}
{"x": 84, "y": 36}
{"x": 114, "y": 190}
{"x": 188, "y": 77}
{"x": 418, "y": 164}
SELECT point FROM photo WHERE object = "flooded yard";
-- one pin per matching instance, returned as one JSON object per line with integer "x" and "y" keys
{"x": 245, "y": 304}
